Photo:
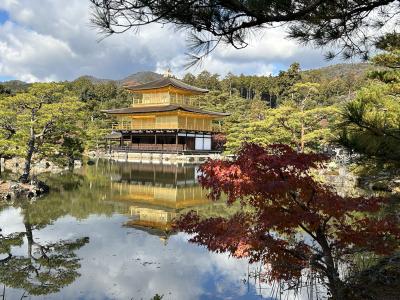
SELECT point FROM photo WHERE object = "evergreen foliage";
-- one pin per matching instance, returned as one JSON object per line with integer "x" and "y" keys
{"x": 372, "y": 120}
{"x": 41, "y": 122}
{"x": 299, "y": 108}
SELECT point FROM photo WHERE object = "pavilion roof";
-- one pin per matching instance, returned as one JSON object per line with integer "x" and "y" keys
{"x": 165, "y": 82}
{"x": 161, "y": 108}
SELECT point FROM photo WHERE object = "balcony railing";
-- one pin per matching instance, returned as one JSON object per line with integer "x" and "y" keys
{"x": 150, "y": 148}
{"x": 156, "y": 126}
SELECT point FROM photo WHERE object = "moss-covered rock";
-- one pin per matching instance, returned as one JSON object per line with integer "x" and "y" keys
{"x": 379, "y": 282}
{"x": 12, "y": 190}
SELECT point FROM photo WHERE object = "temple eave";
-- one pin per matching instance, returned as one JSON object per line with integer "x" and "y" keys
{"x": 162, "y": 109}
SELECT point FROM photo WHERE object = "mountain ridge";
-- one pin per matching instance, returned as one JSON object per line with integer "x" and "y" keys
{"x": 146, "y": 76}
{"x": 132, "y": 79}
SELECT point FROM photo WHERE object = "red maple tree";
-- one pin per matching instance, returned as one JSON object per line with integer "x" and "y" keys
{"x": 289, "y": 220}
{"x": 219, "y": 141}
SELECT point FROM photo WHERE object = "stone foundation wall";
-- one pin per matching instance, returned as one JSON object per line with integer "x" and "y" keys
{"x": 161, "y": 157}
{"x": 16, "y": 165}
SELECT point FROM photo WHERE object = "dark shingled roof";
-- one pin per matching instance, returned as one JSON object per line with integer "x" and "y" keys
{"x": 161, "y": 108}
{"x": 165, "y": 82}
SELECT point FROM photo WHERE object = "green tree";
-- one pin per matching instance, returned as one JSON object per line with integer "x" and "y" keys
{"x": 302, "y": 122}
{"x": 371, "y": 122}
{"x": 189, "y": 78}
{"x": 306, "y": 130}
{"x": 304, "y": 94}
{"x": 97, "y": 97}
{"x": 83, "y": 88}
{"x": 4, "y": 91}
{"x": 285, "y": 82}
{"x": 257, "y": 110}
{"x": 208, "y": 81}
{"x": 39, "y": 122}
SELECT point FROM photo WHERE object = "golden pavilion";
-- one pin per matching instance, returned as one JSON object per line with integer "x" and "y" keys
{"x": 163, "y": 118}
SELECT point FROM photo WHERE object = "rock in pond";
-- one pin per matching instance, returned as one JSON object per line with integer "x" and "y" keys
{"x": 11, "y": 190}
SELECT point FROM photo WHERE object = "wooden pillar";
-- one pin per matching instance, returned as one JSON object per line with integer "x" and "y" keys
{"x": 176, "y": 141}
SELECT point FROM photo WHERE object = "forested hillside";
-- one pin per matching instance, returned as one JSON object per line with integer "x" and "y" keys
{"x": 295, "y": 107}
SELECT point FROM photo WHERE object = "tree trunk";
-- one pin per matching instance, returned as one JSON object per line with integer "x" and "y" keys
{"x": 302, "y": 138}
{"x": 29, "y": 237}
{"x": 71, "y": 162}
{"x": 302, "y": 142}
{"x": 335, "y": 284}
{"x": 28, "y": 159}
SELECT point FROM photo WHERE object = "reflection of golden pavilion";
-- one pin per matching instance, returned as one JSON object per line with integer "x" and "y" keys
{"x": 157, "y": 193}
{"x": 151, "y": 218}
{"x": 166, "y": 197}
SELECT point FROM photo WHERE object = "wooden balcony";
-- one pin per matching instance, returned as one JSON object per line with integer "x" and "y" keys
{"x": 151, "y": 148}
{"x": 168, "y": 126}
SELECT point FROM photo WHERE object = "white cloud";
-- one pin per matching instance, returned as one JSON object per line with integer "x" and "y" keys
{"x": 53, "y": 40}
{"x": 23, "y": 51}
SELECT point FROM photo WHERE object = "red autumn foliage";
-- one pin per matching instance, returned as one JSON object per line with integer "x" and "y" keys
{"x": 219, "y": 141}
{"x": 289, "y": 220}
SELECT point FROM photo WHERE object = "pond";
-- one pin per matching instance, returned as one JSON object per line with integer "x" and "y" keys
{"x": 104, "y": 232}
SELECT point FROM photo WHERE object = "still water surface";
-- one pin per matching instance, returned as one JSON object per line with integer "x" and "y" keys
{"x": 104, "y": 232}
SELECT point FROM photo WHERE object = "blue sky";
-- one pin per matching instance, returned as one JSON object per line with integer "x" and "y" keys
{"x": 3, "y": 16}
{"x": 48, "y": 40}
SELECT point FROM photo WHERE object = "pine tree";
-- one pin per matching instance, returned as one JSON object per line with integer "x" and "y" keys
{"x": 39, "y": 123}
{"x": 371, "y": 123}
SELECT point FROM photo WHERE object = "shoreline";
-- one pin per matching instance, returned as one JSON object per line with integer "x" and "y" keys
{"x": 11, "y": 190}
{"x": 155, "y": 157}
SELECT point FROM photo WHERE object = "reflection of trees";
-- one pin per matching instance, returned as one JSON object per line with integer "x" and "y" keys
{"x": 77, "y": 195}
{"x": 44, "y": 268}
{"x": 7, "y": 242}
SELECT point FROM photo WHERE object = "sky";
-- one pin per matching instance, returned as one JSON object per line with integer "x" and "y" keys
{"x": 53, "y": 40}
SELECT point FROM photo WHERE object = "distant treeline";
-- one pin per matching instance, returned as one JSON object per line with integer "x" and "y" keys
{"x": 335, "y": 81}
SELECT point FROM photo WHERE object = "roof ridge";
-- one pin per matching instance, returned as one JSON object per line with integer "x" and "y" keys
{"x": 164, "y": 82}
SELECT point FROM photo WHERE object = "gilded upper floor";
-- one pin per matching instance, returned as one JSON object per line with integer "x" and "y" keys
{"x": 164, "y": 91}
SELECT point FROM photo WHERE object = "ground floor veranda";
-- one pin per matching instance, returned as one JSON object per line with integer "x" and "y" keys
{"x": 163, "y": 141}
